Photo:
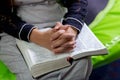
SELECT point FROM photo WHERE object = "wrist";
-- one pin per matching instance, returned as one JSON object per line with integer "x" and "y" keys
{"x": 35, "y": 35}
{"x": 74, "y": 30}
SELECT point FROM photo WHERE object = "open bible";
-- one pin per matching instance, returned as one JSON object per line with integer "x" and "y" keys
{"x": 40, "y": 60}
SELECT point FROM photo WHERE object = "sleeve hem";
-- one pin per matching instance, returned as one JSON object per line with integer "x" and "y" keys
{"x": 74, "y": 22}
{"x": 25, "y": 32}
{"x": 28, "y": 36}
{"x": 19, "y": 34}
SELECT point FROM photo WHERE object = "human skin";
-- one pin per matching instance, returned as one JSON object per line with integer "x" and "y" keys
{"x": 63, "y": 41}
{"x": 59, "y": 39}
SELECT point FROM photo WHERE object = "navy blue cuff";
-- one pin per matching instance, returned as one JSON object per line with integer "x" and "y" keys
{"x": 25, "y": 32}
{"x": 74, "y": 22}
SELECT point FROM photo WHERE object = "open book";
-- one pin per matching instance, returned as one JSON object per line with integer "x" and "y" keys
{"x": 40, "y": 60}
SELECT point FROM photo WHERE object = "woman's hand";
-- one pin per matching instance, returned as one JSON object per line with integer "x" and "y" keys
{"x": 42, "y": 38}
{"x": 59, "y": 39}
{"x": 63, "y": 38}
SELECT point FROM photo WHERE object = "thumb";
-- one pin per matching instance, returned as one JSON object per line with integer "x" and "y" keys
{"x": 57, "y": 26}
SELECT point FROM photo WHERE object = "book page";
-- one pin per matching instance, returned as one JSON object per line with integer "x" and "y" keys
{"x": 87, "y": 44}
{"x": 40, "y": 60}
{"x": 89, "y": 39}
{"x": 39, "y": 54}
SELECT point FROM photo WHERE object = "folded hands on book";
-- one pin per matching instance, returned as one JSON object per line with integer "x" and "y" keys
{"x": 41, "y": 60}
{"x": 59, "y": 39}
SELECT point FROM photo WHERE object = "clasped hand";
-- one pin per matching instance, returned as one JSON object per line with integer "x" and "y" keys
{"x": 59, "y": 39}
{"x": 63, "y": 38}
